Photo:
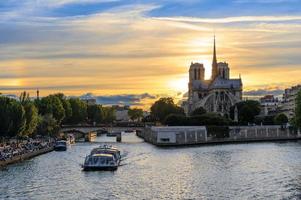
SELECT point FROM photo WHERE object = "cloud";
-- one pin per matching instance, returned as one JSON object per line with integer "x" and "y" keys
{"x": 133, "y": 48}
{"x": 122, "y": 99}
{"x": 263, "y": 92}
{"x": 267, "y": 1}
{"x": 58, "y": 3}
{"x": 232, "y": 19}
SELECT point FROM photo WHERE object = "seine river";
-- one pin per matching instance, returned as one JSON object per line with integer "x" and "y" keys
{"x": 241, "y": 171}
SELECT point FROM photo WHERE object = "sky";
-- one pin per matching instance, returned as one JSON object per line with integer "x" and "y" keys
{"x": 136, "y": 51}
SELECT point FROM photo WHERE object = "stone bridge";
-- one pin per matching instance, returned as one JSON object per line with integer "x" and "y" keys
{"x": 82, "y": 131}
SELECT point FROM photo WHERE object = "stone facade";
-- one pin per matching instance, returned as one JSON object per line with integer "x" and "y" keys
{"x": 215, "y": 95}
{"x": 288, "y": 104}
{"x": 269, "y": 105}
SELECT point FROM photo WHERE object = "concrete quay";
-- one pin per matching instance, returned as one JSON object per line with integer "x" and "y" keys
{"x": 198, "y": 135}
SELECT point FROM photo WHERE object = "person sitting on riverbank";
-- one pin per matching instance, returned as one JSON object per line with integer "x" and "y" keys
{"x": 10, "y": 150}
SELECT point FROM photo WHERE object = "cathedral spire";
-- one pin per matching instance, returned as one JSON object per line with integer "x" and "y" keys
{"x": 214, "y": 62}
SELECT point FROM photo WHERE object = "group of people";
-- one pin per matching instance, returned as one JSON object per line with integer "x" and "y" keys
{"x": 10, "y": 150}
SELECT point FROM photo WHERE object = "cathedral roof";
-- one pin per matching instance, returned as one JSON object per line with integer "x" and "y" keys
{"x": 225, "y": 83}
{"x": 198, "y": 84}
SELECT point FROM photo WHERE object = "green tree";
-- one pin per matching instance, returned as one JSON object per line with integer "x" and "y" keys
{"x": 48, "y": 126}
{"x": 31, "y": 114}
{"x": 109, "y": 114}
{"x": 280, "y": 119}
{"x": 265, "y": 120}
{"x": 52, "y": 105}
{"x": 95, "y": 113}
{"x": 164, "y": 107}
{"x": 135, "y": 114}
{"x": 79, "y": 111}
{"x": 24, "y": 98}
{"x": 66, "y": 105}
{"x": 198, "y": 111}
{"x": 12, "y": 117}
{"x": 297, "y": 117}
{"x": 247, "y": 110}
{"x": 4, "y": 116}
{"x": 17, "y": 119}
{"x": 208, "y": 119}
{"x": 176, "y": 120}
{"x": 32, "y": 118}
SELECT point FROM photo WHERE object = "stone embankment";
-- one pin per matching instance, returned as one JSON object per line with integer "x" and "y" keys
{"x": 189, "y": 135}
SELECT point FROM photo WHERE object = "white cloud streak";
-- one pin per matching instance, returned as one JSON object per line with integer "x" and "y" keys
{"x": 232, "y": 19}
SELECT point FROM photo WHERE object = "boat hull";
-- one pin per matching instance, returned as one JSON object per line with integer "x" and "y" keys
{"x": 60, "y": 148}
{"x": 98, "y": 168}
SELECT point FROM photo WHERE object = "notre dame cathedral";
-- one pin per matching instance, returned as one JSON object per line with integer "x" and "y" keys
{"x": 215, "y": 95}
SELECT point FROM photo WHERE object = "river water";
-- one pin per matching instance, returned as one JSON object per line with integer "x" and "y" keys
{"x": 233, "y": 171}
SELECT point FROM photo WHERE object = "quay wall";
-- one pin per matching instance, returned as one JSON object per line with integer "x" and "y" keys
{"x": 189, "y": 135}
{"x": 25, "y": 156}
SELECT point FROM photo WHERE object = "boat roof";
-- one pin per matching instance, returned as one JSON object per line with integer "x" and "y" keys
{"x": 107, "y": 147}
{"x": 102, "y": 155}
{"x": 104, "y": 149}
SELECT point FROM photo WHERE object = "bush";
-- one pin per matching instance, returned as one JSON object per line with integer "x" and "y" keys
{"x": 218, "y": 131}
{"x": 265, "y": 120}
{"x": 280, "y": 119}
{"x": 198, "y": 111}
{"x": 210, "y": 119}
{"x": 197, "y": 120}
{"x": 176, "y": 120}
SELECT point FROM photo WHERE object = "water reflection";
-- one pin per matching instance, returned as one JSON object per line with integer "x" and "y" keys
{"x": 242, "y": 171}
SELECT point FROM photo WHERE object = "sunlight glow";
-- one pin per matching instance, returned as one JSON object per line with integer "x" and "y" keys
{"x": 178, "y": 84}
{"x": 11, "y": 82}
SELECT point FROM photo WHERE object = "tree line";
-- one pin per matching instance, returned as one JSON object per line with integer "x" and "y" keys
{"x": 167, "y": 112}
{"x": 26, "y": 117}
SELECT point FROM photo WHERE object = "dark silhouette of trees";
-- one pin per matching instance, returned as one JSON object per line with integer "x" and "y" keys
{"x": 280, "y": 119}
{"x": 247, "y": 110}
{"x": 198, "y": 111}
{"x": 197, "y": 120}
{"x": 52, "y": 105}
{"x": 95, "y": 113}
{"x": 135, "y": 114}
{"x": 12, "y": 117}
{"x": 164, "y": 107}
{"x": 79, "y": 111}
{"x": 109, "y": 114}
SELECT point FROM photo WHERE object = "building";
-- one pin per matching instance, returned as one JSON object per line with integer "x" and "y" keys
{"x": 269, "y": 105}
{"x": 288, "y": 104}
{"x": 218, "y": 93}
{"x": 122, "y": 113}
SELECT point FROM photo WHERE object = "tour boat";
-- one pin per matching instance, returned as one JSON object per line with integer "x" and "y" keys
{"x": 60, "y": 145}
{"x": 105, "y": 149}
{"x": 102, "y": 158}
{"x": 94, "y": 162}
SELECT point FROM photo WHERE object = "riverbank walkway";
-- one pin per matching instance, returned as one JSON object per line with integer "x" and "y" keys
{"x": 13, "y": 152}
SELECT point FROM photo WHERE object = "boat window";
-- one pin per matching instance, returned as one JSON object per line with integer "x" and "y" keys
{"x": 164, "y": 139}
{"x": 102, "y": 161}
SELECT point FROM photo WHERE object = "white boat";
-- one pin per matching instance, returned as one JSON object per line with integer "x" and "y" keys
{"x": 102, "y": 158}
{"x": 108, "y": 150}
{"x": 94, "y": 162}
{"x": 60, "y": 145}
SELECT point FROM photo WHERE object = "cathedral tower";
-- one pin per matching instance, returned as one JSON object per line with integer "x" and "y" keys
{"x": 214, "y": 73}
{"x": 196, "y": 72}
